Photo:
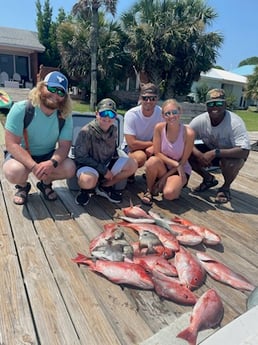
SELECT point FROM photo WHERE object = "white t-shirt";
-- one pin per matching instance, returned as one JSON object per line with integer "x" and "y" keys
{"x": 135, "y": 123}
{"x": 231, "y": 132}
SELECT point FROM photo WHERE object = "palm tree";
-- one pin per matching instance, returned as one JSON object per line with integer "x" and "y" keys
{"x": 168, "y": 40}
{"x": 251, "y": 91}
{"x": 74, "y": 37}
{"x": 88, "y": 10}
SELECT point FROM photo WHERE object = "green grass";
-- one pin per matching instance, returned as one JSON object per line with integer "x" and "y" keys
{"x": 250, "y": 117}
{"x": 84, "y": 107}
{"x": 81, "y": 107}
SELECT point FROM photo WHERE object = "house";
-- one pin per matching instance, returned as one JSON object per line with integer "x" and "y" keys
{"x": 19, "y": 51}
{"x": 232, "y": 83}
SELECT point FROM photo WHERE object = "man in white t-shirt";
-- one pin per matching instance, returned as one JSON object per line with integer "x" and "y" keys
{"x": 139, "y": 123}
{"x": 225, "y": 144}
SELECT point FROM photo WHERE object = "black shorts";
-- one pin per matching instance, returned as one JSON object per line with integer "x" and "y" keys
{"x": 37, "y": 159}
{"x": 204, "y": 148}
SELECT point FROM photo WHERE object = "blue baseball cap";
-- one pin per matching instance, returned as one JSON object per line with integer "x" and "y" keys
{"x": 56, "y": 79}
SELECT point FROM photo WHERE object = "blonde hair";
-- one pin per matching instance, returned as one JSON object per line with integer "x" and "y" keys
{"x": 65, "y": 108}
{"x": 173, "y": 101}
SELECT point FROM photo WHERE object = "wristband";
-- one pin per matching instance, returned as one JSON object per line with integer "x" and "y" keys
{"x": 217, "y": 153}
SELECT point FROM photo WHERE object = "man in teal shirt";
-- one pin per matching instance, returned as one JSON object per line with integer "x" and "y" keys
{"x": 41, "y": 148}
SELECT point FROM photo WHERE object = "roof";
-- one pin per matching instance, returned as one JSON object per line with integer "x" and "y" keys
{"x": 220, "y": 74}
{"x": 22, "y": 39}
{"x": 245, "y": 70}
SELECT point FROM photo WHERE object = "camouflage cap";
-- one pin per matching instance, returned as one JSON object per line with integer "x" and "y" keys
{"x": 215, "y": 94}
{"x": 106, "y": 104}
{"x": 149, "y": 89}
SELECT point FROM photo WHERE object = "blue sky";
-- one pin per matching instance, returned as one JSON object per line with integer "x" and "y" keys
{"x": 237, "y": 21}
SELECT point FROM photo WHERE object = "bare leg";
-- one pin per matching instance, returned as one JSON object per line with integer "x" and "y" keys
{"x": 155, "y": 168}
{"x": 230, "y": 169}
{"x": 139, "y": 156}
{"x": 128, "y": 170}
{"x": 173, "y": 187}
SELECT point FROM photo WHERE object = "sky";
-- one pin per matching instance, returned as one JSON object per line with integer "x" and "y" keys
{"x": 236, "y": 21}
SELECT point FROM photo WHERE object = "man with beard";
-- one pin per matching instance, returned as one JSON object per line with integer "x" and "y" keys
{"x": 42, "y": 148}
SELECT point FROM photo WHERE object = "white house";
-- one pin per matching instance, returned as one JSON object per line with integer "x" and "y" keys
{"x": 19, "y": 50}
{"x": 232, "y": 83}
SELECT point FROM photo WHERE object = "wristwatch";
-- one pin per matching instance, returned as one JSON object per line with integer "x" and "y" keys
{"x": 217, "y": 153}
{"x": 54, "y": 162}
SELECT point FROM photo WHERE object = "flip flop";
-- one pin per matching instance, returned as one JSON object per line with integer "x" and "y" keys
{"x": 223, "y": 196}
{"x": 206, "y": 184}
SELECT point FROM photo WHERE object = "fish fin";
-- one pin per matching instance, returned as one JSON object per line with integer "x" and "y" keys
{"x": 188, "y": 335}
{"x": 151, "y": 250}
{"x": 132, "y": 205}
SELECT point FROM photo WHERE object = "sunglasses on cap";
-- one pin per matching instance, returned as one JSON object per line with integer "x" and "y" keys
{"x": 171, "y": 112}
{"x": 215, "y": 104}
{"x": 57, "y": 90}
{"x": 107, "y": 113}
{"x": 149, "y": 98}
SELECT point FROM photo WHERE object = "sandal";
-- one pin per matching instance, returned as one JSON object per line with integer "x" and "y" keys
{"x": 206, "y": 184}
{"x": 22, "y": 193}
{"x": 147, "y": 198}
{"x": 155, "y": 190}
{"x": 47, "y": 191}
{"x": 223, "y": 196}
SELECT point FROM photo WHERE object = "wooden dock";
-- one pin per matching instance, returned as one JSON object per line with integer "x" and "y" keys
{"x": 46, "y": 299}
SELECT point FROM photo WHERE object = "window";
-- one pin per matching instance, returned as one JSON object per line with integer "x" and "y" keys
{"x": 21, "y": 67}
{"x": 6, "y": 64}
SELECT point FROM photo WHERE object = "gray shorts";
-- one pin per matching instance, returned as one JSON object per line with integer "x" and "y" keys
{"x": 116, "y": 168}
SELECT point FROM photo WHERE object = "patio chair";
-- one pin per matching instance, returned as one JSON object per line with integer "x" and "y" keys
{"x": 17, "y": 77}
{"x": 3, "y": 77}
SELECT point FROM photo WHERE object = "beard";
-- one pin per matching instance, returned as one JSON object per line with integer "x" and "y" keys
{"x": 50, "y": 102}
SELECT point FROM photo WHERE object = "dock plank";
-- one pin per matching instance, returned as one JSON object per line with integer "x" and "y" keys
{"x": 48, "y": 309}
{"x": 56, "y": 301}
{"x": 16, "y": 323}
{"x": 114, "y": 307}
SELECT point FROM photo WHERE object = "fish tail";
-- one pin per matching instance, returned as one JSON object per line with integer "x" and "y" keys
{"x": 188, "y": 335}
{"x": 81, "y": 259}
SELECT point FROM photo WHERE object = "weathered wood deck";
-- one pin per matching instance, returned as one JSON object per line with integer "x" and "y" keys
{"x": 47, "y": 299}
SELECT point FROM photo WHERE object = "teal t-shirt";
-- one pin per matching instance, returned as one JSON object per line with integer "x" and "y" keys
{"x": 43, "y": 131}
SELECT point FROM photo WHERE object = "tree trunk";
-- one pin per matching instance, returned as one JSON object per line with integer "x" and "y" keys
{"x": 94, "y": 53}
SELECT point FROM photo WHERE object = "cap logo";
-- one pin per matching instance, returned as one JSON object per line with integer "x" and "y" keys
{"x": 60, "y": 79}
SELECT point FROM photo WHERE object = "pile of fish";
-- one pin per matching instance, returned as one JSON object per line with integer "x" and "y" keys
{"x": 158, "y": 261}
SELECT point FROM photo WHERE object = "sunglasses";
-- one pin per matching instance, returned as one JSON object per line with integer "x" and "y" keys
{"x": 149, "y": 98}
{"x": 171, "y": 112}
{"x": 107, "y": 113}
{"x": 57, "y": 90}
{"x": 215, "y": 104}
